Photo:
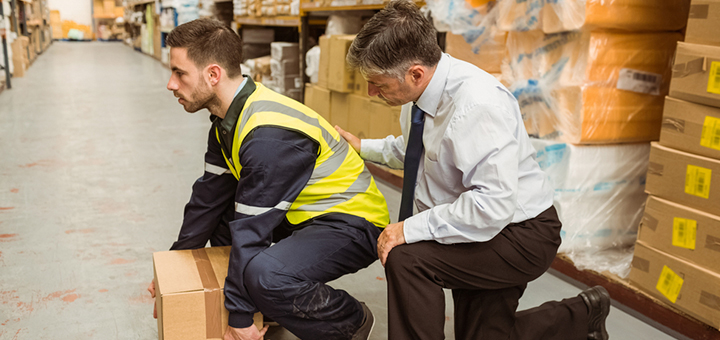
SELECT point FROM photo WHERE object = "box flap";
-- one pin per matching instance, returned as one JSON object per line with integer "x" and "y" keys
{"x": 177, "y": 271}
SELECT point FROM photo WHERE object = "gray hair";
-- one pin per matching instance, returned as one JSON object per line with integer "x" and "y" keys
{"x": 393, "y": 40}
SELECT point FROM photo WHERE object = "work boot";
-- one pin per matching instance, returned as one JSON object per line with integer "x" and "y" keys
{"x": 597, "y": 301}
{"x": 367, "y": 326}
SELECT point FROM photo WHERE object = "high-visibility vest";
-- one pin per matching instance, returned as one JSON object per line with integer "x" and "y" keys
{"x": 340, "y": 182}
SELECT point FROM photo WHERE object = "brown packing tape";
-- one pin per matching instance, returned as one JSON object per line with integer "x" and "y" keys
{"x": 698, "y": 65}
{"x": 675, "y": 124}
{"x": 710, "y": 300}
{"x": 655, "y": 169}
{"x": 649, "y": 221}
{"x": 213, "y": 319}
{"x": 641, "y": 264}
{"x": 712, "y": 243}
{"x": 699, "y": 11}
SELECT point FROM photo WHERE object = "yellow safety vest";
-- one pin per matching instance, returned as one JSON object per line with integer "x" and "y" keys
{"x": 340, "y": 182}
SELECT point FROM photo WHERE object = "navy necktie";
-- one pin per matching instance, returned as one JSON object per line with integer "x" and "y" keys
{"x": 412, "y": 162}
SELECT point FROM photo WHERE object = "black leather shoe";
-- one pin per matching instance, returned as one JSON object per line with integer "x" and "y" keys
{"x": 597, "y": 300}
{"x": 367, "y": 326}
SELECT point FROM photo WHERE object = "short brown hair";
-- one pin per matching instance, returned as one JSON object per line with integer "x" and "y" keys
{"x": 393, "y": 40}
{"x": 209, "y": 41}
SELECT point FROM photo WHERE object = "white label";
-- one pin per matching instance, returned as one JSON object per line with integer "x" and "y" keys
{"x": 639, "y": 81}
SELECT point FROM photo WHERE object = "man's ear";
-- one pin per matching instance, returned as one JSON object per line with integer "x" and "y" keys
{"x": 213, "y": 74}
{"x": 417, "y": 73}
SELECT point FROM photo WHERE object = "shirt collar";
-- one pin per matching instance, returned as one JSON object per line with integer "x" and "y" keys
{"x": 246, "y": 88}
{"x": 430, "y": 98}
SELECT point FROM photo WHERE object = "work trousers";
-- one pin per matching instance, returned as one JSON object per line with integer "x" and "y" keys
{"x": 487, "y": 279}
{"x": 287, "y": 281}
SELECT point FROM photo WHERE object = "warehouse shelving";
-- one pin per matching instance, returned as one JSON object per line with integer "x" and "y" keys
{"x": 5, "y": 48}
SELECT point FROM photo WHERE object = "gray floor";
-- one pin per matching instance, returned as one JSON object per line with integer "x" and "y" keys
{"x": 97, "y": 163}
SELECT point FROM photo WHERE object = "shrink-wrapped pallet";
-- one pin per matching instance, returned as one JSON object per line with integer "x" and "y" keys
{"x": 568, "y": 15}
{"x": 590, "y": 86}
{"x": 599, "y": 192}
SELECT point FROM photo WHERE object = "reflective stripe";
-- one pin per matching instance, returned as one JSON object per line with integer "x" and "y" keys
{"x": 216, "y": 170}
{"x": 361, "y": 185}
{"x": 254, "y": 211}
{"x": 270, "y": 106}
{"x": 330, "y": 165}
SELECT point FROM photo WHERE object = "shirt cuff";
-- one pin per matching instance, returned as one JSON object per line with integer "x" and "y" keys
{"x": 372, "y": 150}
{"x": 240, "y": 320}
{"x": 417, "y": 228}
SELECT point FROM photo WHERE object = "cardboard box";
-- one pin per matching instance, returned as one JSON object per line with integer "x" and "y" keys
{"x": 360, "y": 86}
{"x": 321, "y": 102}
{"x": 687, "y": 287}
{"x": 284, "y": 51}
{"x": 324, "y": 63}
{"x": 258, "y": 35}
{"x": 339, "y": 109}
{"x": 684, "y": 178}
{"x": 681, "y": 231}
{"x": 703, "y": 23}
{"x": 691, "y": 127}
{"x": 340, "y": 77}
{"x": 359, "y": 116}
{"x": 284, "y": 67}
{"x": 380, "y": 120}
{"x": 696, "y": 74}
{"x": 189, "y": 293}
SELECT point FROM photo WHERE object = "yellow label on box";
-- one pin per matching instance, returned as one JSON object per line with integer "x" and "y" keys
{"x": 710, "y": 137}
{"x": 684, "y": 233}
{"x": 697, "y": 181}
{"x": 714, "y": 80}
{"x": 669, "y": 284}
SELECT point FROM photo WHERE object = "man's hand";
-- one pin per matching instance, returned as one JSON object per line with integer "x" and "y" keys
{"x": 391, "y": 237}
{"x": 248, "y": 333}
{"x": 151, "y": 289}
{"x": 350, "y": 138}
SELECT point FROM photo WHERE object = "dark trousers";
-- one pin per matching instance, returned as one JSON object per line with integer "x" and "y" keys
{"x": 287, "y": 280}
{"x": 487, "y": 280}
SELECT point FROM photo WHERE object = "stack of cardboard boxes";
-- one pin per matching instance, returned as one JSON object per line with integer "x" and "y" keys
{"x": 285, "y": 69}
{"x": 677, "y": 256}
{"x": 341, "y": 95}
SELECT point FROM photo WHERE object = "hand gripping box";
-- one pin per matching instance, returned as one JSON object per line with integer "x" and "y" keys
{"x": 189, "y": 293}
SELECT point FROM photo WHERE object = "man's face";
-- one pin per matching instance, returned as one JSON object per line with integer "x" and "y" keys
{"x": 390, "y": 89}
{"x": 187, "y": 82}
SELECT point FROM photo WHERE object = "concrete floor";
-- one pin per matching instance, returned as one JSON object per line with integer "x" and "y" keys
{"x": 97, "y": 163}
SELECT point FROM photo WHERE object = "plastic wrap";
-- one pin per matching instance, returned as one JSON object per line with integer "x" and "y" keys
{"x": 472, "y": 29}
{"x": 599, "y": 192}
{"x": 568, "y": 15}
{"x": 312, "y": 60}
{"x": 590, "y": 86}
{"x": 343, "y": 24}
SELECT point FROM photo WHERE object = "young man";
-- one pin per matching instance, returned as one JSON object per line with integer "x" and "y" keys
{"x": 486, "y": 224}
{"x": 275, "y": 171}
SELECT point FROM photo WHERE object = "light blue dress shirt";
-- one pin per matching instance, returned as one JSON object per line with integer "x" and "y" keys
{"x": 478, "y": 172}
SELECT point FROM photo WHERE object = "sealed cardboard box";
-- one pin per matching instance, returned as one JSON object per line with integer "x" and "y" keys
{"x": 384, "y": 120}
{"x": 280, "y": 68}
{"x": 318, "y": 99}
{"x": 696, "y": 74}
{"x": 324, "y": 63}
{"x": 359, "y": 116}
{"x": 684, "y": 178}
{"x": 691, "y": 127}
{"x": 339, "y": 109}
{"x": 284, "y": 51}
{"x": 340, "y": 76}
{"x": 703, "y": 23}
{"x": 189, "y": 293}
{"x": 681, "y": 231}
{"x": 360, "y": 87}
{"x": 683, "y": 285}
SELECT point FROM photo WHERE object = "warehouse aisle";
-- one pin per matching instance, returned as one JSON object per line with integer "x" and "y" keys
{"x": 97, "y": 163}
